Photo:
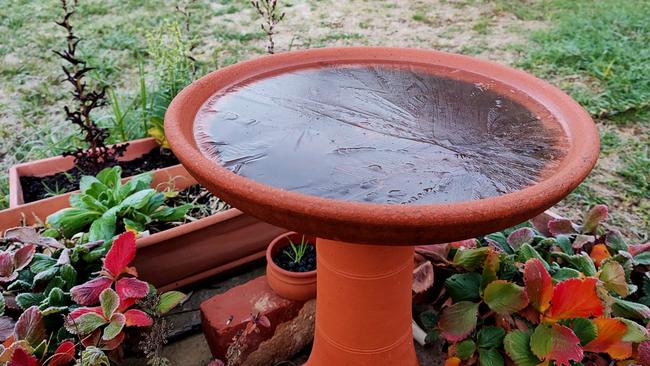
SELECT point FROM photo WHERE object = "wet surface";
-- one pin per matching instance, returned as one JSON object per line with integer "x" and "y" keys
{"x": 378, "y": 133}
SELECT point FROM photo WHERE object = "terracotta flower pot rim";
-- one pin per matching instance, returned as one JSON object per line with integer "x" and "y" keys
{"x": 287, "y": 209}
{"x": 271, "y": 262}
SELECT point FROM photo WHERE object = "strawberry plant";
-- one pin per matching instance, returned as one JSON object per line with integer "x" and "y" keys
{"x": 105, "y": 207}
{"x": 549, "y": 291}
{"x": 59, "y": 304}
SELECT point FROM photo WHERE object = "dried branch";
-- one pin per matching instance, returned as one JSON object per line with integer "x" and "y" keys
{"x": 271, "y": 16}
{"x": 98, "y": 155}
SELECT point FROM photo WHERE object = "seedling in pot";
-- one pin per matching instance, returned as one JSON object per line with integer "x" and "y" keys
{"x": 299, "y": 257}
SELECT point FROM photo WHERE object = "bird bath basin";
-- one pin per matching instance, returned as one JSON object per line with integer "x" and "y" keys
{"x": 373, "y": 151}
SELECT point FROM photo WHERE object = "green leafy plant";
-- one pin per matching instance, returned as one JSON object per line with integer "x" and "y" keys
{"x": 105, "y": 207}
{"x": 547, "y": 291}
{"x": 297, "y": 250}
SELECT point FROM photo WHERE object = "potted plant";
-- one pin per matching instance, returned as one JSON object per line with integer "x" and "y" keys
{"x": 291, "y": 266}
{"x": 36, "y": 180}
{"x": 190, "y": 249}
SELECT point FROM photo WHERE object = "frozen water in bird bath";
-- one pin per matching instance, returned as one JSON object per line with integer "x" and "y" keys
{"x": 381, "y": 133}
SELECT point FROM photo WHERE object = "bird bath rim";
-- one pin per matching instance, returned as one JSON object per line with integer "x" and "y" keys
{"x": 385, "y": 223}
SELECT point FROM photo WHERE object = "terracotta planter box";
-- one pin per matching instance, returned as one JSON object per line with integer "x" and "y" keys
{"x": 58, "y": 164}
{"x": 182, "y": 255}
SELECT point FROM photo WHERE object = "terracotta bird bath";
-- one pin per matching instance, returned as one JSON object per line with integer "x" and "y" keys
{"x": 375, "y": 150}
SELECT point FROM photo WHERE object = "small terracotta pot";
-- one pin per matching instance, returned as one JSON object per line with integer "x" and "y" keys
{"x": 182, "y": 255}
{"x": 58, "y": 164}
{"x": 299, "y": 286}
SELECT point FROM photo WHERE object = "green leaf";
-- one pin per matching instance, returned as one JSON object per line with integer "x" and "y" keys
{"x": 86, "y": 323}
{"x": 565, "y": 273}
{"x": 490, "y": 269}
{"x": 490, "y": 357}
{"x": 527, "y": 252}
{"x": 582, "y": 262}
{"x": 636, "y": 333}
{"x": 56, "y": 297}
{"x": 109, "y": 301}
{"x": 89, "y": 202}
{"x": 490, "y": 337}
{"x": 138, "y": 199}
{"x": 583, "y": 328}
{"x": 54, "y": 310}
{"x": 45, "y": 275}
{"x": 72, "y": 220}
{"x": 499, "y": 239}
{"x": 41, "y": 262}
{"x": 91, "y": 186}
{"x": 135, "y": 184}
{"x": 429, "y": 320}
{"x": 2, "y": 304}
{"x": 171, "y": 214}
{"x": 103, "y": 228}
{"x": 458, "y": 320}
{"x": 19, "y": 285}
{"x": 517, "y": 346}
{"x": 133, "y": 225}
{"x": 465, "y": 349}
{"x": 432, "y": 336}
{"x": 464, "y": 286}
{"x": 630, "y": 310}
{"x": 470, "y": 259}
{"x": 29, "y": 299}
{"x": 170, "y": 300}
{"x": 564, "y": 242}
{"x": 505, "y": 297}
{"x": 114, "y": 327}
{"x": 69, "y": 276}
{"x": 110, "y": 177}
{"x": 93, "y": 356}
{"x": 154, "y": 203}
{"x": 55, "y": 282}
{"x": 615, "y": 241}
{"x": 642, "y": 258}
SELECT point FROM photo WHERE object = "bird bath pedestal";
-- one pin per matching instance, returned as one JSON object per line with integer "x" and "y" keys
{"x": 375, "y": 150}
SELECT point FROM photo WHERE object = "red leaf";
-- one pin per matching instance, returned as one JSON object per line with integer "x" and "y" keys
{"x": 216, "y": 362}
{"x": 6, "y": 264}
{"x": 23, "y": 256}
{"x": 561, "y": 227}
{"x": 610, "y": 333}
{"x": 539, "y": 284}
{"x": 575, "y": 298}
{"x": 599, "y": 253}
{"x": 137, "y": 318}
{"x": 81, "y": 311}
{"x": 88, "y": 293}
{"x": 519, "y": 237}
{"x": 130, "y": 290}
{"x": 63, "y": 355}
{"x": 556, "y": 342}
{"x": 467, "y": 243}
{"x": 593, "y": 218}
{"x": 6, "y": 328}
{"x": 422, "y": 277}
{"x": 435, "y": 252}
{"x": 540, "y": 222}
{"x": 121, "y": 254}
{"x": 635, "y": 249}
{"x": 20, "y": 357}
{"x": 30, "y": 326}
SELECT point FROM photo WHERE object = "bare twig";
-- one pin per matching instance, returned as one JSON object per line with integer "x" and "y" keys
{"x": 271, "y": 16}
{"x": 98, "y": 155}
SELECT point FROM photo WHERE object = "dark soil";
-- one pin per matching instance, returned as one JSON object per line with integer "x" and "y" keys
{"x": 37, "y": 188}
{"x": 205, "y": 204}
{"x": 306, "y": 264}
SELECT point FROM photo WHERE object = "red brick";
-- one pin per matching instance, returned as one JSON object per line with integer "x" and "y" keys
{"x": 224, "y": 315}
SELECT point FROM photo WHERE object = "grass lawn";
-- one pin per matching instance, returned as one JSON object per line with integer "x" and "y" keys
{"x": 599, "y": 52}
